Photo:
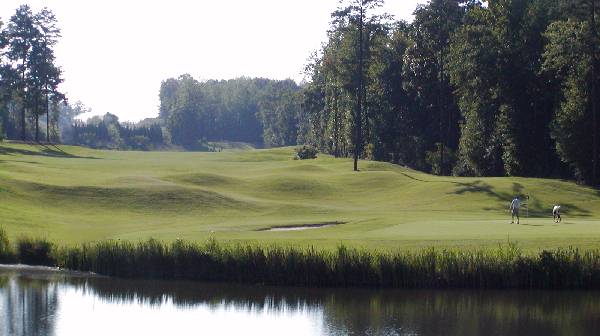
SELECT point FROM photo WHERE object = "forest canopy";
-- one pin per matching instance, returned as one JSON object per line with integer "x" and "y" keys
{"x": 473, "y": 88}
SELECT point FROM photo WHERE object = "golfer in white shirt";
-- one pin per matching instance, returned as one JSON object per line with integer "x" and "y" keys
{"x": 556, "y": 214}
{"x": 514, "y": 209}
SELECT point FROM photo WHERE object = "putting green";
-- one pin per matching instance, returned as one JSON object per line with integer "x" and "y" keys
{"x": 74, "y": 194}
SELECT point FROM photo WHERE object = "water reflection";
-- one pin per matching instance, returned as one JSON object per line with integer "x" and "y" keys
{"x": 27, "y": 306}
{"x": 57, "y": 304}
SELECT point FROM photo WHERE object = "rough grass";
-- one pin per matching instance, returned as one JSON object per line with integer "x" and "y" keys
{"x": 74, "y": 195}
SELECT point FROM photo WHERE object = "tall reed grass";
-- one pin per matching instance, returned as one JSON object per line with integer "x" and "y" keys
{"x": 35, "y": 251}
{"x": 6, "y": 252}
{"x": 503, "y": 267}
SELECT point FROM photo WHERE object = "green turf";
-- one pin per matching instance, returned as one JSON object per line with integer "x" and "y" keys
{"x": 74, "y": 194}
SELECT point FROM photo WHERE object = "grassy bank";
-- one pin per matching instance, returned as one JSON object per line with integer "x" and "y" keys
{"x": 76, "y": 195}
{"x": 503, "y": 267}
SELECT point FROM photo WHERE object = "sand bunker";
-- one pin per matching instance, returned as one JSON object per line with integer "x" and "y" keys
{"x": 301, "y": 227}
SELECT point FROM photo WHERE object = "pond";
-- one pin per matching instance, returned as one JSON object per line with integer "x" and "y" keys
{"x": 41, "y": 301}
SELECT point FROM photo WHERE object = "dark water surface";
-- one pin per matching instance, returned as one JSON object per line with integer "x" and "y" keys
{"x": 35, "y": 301}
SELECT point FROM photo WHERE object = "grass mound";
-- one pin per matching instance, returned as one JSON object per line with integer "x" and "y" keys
{"x": 204, "y": 179}
{"x": 307, "y": 168}
{"x": 293, "y": 187}
{"x": 152, "y": 199}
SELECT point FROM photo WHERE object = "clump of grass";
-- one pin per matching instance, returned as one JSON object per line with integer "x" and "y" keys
{"x": 35, "y": 251}
{"x": 6, "y": 252}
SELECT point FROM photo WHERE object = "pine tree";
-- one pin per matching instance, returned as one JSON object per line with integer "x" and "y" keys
{"x": 21, "y": 35}
{"x": 357, "y": 13}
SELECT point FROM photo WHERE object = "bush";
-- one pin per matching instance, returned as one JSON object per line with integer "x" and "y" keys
{"x": 306, "y": 152}
{"x": 202, "y": 146}
{"x": 434, "y": 159}
{"x": 35, "y": 251}
{"x": 140, "y": 142}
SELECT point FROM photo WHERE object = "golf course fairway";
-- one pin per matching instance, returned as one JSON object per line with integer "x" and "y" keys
{"x": 72, "y": 195}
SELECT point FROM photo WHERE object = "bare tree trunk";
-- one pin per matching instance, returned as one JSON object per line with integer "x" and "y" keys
{"x": 359, "y": 102}
{"x": 37, "y": 127}
{"x": 336, "y": 126}
{"x": 36, "y": 115}
{"x": 441, "y": 112}
{"x": 47, "y": 118}
{"x": 23, "y": 131}
{"x": 594, "y": 97}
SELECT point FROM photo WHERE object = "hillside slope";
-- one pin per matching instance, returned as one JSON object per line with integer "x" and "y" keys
{"x": 74, "y": 194}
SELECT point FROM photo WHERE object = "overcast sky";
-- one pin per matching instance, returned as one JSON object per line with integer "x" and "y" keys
{"x": 115, "y": 53}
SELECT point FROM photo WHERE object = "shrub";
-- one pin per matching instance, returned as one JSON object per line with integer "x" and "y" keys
{"x": 35, "y": 251}
{"x": 434, "y": 159}
{"x": 306, "y": 152}
{"x": 203, "y": 146}
{"x": 140, "y": 142}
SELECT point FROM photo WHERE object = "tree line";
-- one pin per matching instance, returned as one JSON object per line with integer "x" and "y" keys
{"x": 255, "y": 110}
{"x": 471, "y": 88}
{"x": 107, "y": 132}
{"x": 29, "y": 90}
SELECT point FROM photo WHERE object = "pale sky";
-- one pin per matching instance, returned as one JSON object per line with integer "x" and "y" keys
{"x": 115, "y": 53}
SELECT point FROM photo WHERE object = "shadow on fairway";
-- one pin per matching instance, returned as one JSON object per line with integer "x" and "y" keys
{"x": 481, "y": 187}
{"x": 414, "y": 178}
{"x": 45, "y": 150}
{"x": 536, "y": 208}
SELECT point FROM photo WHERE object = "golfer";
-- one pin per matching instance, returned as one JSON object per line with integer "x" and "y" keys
{"x": 556, "y": 214}
{"x": 514, "y": 209}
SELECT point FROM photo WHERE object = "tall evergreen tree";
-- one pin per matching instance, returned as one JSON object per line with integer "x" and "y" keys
{"x": 22, "y": 34}
{"x": 358, "y": 14}
{"x": 587, "y": 11}
{"x": 390, "y": 109}
{"x": 5, "y": 81}
{"x": 505, "y": 102}
{"x": 47, "y": 74}
{"x": 571, "y": 55}
{"x": 427, "y": 75}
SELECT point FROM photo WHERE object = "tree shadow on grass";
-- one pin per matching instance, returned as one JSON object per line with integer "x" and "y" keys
{"x": 413, "y": 178}
{"x": 10, "y": 162}
{"x": 480, "y": 187}
{"x": 45, "y": 150}
{"x": 536, "y": 208}
{"x": 426, "y": 181}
